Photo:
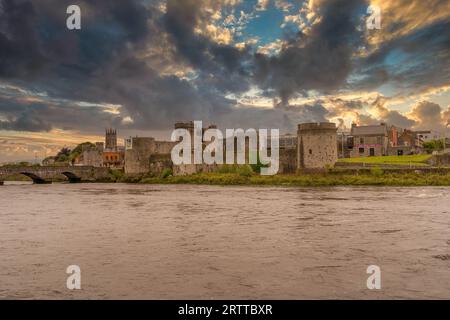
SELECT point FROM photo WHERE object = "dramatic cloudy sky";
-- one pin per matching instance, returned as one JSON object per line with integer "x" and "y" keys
{"x": 141, "y": 65}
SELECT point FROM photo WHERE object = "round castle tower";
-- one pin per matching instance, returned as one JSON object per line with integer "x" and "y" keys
{"x": 317, "y": 145}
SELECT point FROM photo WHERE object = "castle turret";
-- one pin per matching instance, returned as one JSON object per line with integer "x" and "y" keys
{"x": 111, "y": 139}
{"x": 317, "y": 145}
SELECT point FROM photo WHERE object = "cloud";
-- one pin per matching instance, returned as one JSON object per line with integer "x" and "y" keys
{"x": 391, "y": 117}
{"x": 161, "y": 62}
{"x": 283, "y": 5}
{"x": 429, "y": 115}
{"x": 262, "y": 5}
{"x": 411, "y": 64}
{"x": 27, "y": 121}
{"x": 320, "y": 61}
{"x": 402, "y": 17}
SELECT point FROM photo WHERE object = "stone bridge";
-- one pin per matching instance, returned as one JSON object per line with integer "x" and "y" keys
{"x": 42, "y": 175}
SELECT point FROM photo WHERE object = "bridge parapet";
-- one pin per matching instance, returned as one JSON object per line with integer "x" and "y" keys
{"x": 45, "y": 174}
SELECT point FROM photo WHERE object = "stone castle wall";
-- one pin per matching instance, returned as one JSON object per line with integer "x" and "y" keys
{"x": 188, "y": 169}
{"x": 317, "y": 145}
{"x": 140, "y": 159}
{"x": 288, "y": 160}
{"x": 316, "y": 149}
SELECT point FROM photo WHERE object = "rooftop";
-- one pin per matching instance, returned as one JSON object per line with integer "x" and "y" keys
{"x": 369, "y": 130}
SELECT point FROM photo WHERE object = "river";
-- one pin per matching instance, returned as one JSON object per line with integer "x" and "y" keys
{"x": 223, "y": 242}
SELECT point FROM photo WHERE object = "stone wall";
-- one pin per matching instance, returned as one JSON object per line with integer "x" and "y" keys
{"x": 377, "y": 143}
{"x": 55, "y": 173}
{"x": 139, "y": 158}
{"x": 317, "y": 145}
{"x": 158, "y": 163}
{"x": 288, "y": 160}
{"x": 399, "y": 150}
{"x": 440, "y": 160}
{"x": 188, "y": 169}
{"x": 90, "y": 158}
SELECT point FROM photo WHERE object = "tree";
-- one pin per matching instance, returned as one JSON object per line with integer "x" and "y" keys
{"x": 80, "y": 148}
{"x": 63, "y": 155}
{"x": 433, "y": 145}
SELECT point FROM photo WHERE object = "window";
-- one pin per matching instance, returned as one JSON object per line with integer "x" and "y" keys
{"x": 361, "y": 140}
{"x": 361, "y": 150}
{"x": 310, "y": 151}
{"x": 350, "y": 142}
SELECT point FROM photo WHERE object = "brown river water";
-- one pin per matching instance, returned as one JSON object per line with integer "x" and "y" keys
{"x": 215, "y": 242}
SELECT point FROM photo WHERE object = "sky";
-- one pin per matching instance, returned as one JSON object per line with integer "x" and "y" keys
{"x": 142, "y": 65}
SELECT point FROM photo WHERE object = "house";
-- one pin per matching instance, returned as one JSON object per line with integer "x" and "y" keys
{"x": 369, "y": 141}
{"x": 429, "y": 135}
{"x": 412, "y": 140}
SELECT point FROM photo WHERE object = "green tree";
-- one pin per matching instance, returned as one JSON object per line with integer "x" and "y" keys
{"x": 433, "y": 145}
{"x": 79, "y": 148}
{"x": 63, "y": 155}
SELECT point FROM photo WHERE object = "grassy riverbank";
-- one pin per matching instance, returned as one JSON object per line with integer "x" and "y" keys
{"x": 406, "y": 160}
{"x": 306, "y": 180}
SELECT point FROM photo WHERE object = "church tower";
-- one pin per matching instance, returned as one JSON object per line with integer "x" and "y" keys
{"x": 111, "y": 140}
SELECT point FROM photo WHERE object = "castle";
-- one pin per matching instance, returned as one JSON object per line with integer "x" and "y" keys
{"x": 313, "y": 148}
{"x": 104, "y": 154}
{"x": 317, "y": 145}
{"x": 113, "y": 155}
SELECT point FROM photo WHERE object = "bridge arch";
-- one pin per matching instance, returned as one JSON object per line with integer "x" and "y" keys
{"x": 71, "y": 176}
{"x": 36, "y": 179}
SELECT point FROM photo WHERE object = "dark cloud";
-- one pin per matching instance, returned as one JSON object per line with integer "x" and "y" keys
{"x": 22, "y": 115}
{"x": 320, "y": 60}
{"x": 341, "y": 107}
{"x": 107, "y": 62}
{"x": 220, "y": 65}
{"x": 27, "y": 121}
{"x": 412, "y": 63}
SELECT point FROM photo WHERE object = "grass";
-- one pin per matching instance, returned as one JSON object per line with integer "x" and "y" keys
{"x": 309, "y": 180}
{"x": 398, "y": 160}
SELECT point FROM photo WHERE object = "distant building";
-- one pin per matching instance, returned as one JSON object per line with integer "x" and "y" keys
{"x": 113, "y": 159}
{"x": 429, "y": 135}
{"x": 393, "y": 137}
{"x": 316, "y": 145}
{"x": 89, "y": 156}
{"x": 100, "y": 146}
{"x": 49, "y": 161}
{"x": 369, "y": 141}
{"x": 412, "y": 141}
{"x": 344, "y": 144}
{"x": 111, "y": 140}
{"x": 112, "y": 156}
{"x": 146, "y": 155}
